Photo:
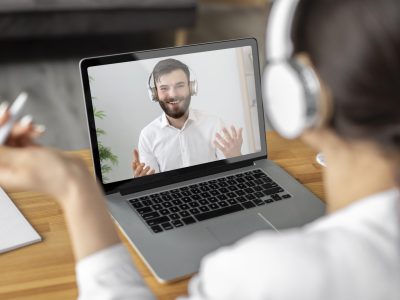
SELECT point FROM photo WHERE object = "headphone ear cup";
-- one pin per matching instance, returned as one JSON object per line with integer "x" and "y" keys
{"x": 290, "y": 97}
{"x": 152, "y": 94}
{"x": 193, "y": 88}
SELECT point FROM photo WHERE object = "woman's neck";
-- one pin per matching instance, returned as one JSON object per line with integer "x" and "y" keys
{"x": 354, "y": 172}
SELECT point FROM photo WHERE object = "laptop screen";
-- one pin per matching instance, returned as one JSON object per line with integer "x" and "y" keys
{"x": 161, "y": 114}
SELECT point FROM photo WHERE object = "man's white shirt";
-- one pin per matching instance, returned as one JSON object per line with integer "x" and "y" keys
{"x": 164, "y": 147}
{"x": 351, "y": 254}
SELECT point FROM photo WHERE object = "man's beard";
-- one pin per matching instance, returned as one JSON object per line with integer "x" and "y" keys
{"x": 175, "y": 113}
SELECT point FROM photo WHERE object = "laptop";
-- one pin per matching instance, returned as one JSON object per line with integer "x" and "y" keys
{"x": 197, "y": 185}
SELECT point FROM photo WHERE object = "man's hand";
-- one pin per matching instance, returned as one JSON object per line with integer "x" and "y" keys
{"x": 231, "y": 143}
{"x": 140, "y": 169}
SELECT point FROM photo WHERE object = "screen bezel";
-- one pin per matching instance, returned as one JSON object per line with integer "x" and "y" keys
{"x": 173, "y": 176}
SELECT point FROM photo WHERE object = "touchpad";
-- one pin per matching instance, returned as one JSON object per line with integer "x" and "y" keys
{"x": 229, "y": 231}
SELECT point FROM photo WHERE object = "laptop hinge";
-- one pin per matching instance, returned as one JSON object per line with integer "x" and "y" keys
{"x": 174, "y": 179}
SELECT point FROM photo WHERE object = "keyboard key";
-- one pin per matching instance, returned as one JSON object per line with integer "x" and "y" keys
{"x": 166, "y": 197}
{"x": 204, "y": 208}
{"x": 195, "y": 197}
{"x": 232, "y": 201}
{"x": 177, "y": 195}
{"x": 213, "y": 206}
{"x": 231, "y": 195}
{"x": 223, "y": 203}
{"x": 174, "y": 217}
{"x": 223, "y": 190}
{"x": 241, "y": 199}
{"x": 203, "y": 202}
{"x": 186, "y": 199}
{"x": 174, "y": 209}
{"x": 184, "y": 214}
{"x": 156, "y": 229}
{"x": 194, "y": 211}
{"x": 137, "y": 205}
{"x": 186, "y": 193}
{"x": 248, "y": 204}
{"x": 218, "y": 212}
{"x": 144, "y": 210}
{"x": 157, "y": 221}
{"x": 147, "y": 202}
{"x": 177, "y": 223}
{"x": 194, "y": 204}
{"x": 204, "y": 188}
{"x": 272, "y": 191}
{"x": 213, "y": 200}
{"x": 151, "y": 215}
{"x": 286, "y": 196}
{"x": 269, "y": 185}
{"x": 214, "y": 192}
{"x": 195, "y": 191}
{"x": 205, "y": 195}
{"x": 184, "y": 206}
{"x": 257, "y": 188}
{"x": 258, "y": 194}
{"x": 135, "y": 200}
{"x": 188, "y": 220}
{"x": 249, "y": 190}
{"x": 177, "y": 202}
{"x": 240, "y": 193}
{"x": 157, "y": 200}
{"x": 167, "y": 226}
{"x": 222, "y": 197}
{"x": 157, "y": 206}
{"x": 250, "y": 197}
{"x": 167, "y": 204}
{"x": 258, "y": 202}
{"x": 276, "y": 197}
{"x": 164, "y": 212}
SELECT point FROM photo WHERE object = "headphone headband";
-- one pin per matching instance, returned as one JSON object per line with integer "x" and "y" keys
{"x": 279, "y": 42}
{"x": 291, "y": 88}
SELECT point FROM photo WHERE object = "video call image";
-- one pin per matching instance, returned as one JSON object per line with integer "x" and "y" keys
{"x": 161, "y": 114}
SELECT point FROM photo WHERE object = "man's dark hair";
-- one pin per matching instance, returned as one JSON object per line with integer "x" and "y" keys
{"x": 355, "y": 47}
{"x": 166, "y": 66}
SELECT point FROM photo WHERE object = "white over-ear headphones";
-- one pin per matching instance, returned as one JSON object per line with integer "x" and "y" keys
{"x": 152, "y": 90}
{"x": 291, "y": 89}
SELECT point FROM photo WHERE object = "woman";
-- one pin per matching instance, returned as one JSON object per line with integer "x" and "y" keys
{"x": 351, "y": 253}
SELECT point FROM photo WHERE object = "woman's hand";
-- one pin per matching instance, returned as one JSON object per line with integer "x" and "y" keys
{"x": 25, "y": 166}
{"x": 24, "y": 132}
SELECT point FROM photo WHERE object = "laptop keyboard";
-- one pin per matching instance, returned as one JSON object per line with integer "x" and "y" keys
{"x": 202, "y": 201}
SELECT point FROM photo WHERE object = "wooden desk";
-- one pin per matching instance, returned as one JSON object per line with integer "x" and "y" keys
{"x": 46, "y": 270}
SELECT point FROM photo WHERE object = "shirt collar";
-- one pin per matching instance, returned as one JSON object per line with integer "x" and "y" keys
{"x": 191, "y": 116}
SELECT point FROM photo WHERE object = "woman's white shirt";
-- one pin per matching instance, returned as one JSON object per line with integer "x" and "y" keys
{"x": 351, "y": 254}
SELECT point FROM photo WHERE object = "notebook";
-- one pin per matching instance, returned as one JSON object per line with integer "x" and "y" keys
{"x": 15, "y": 230}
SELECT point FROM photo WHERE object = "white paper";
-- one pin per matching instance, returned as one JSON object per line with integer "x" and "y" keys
{"x": 15, "y": 231}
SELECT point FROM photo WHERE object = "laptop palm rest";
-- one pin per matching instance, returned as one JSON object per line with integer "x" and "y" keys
{"x": 228, "y": 231}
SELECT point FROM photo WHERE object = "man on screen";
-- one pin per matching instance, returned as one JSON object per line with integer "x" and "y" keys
{"x": 181, "y": 136}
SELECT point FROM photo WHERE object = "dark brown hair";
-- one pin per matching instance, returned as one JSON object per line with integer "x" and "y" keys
{"x": 355, "y": 47}
{"x": 166, "y": 66}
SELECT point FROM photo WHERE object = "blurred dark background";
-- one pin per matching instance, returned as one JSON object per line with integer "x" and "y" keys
{"x": 42, "y": 41}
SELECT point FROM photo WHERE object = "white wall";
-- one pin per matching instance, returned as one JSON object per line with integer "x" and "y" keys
{"x": 121, "y": 91}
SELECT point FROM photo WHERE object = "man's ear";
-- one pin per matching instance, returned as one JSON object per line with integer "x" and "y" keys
{"x": 325, "y": 105}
